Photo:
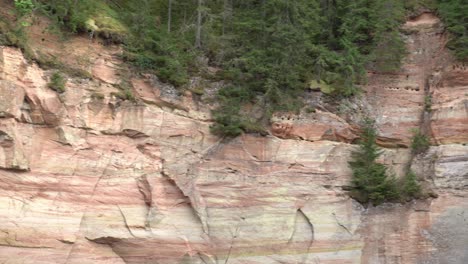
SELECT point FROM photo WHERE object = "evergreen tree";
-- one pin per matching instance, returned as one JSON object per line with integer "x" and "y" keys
{"x": 411, "y": 188}
{"x": 269, "y": 49}
{"x": 455, "y": 16}
{"x": 356, "y": 26}
{"x": 370, "y": 180}
{"x": 388, "y": 46}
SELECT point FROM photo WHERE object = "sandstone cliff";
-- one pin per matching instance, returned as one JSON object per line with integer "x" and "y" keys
{"x": 88, "y": 178}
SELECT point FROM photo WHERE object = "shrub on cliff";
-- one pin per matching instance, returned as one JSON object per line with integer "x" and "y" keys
{"x": 411, "y": 187}
{"x": 57, "y": 82}
{"x": 419, "y": 142}
{"x": 370, "y": 180}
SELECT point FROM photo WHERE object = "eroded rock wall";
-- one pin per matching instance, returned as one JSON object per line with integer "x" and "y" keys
{"x": 88, "y": 178}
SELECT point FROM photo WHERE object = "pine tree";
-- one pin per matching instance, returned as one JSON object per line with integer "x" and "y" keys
{"x": 455, "y": 16}
{"x": 411, "y": 187}
{"x": 388, "y": 46}
{"x": 370, "y": 179}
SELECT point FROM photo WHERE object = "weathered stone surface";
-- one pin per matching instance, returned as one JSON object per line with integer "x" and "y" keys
{"x": 398, "y": 99}
{"x": 106, "y": 70}
{"x": 12, "y": 155}
{"x": 433, "y": 231}
{"x": 449, "y": 120}
{"x": 88, "y": 178}
{"x": 11, "y": 100}
{"x": 446, "y": 166}
{"x": 313, "y": 127}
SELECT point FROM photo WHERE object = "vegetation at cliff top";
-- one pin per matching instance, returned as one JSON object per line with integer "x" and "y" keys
{"x": 269, "y": 51}
{"x": 455, "y": 15}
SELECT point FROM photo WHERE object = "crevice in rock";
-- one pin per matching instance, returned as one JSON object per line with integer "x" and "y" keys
{"x": 202, "y": 258}
{"x": 131, "y": 133}
{"x": 82, "y": 221}
{"x": 5, "y": 115}
{"x": 198, "y": 211}
{"x": 145, "y": 189}
{"x": 15, "y": 169}
{"x": 208, "y": 259}
{"x": 309, "y": 222}
{"x": 234, "y": 237}
{"x": 109, "y": 241}
{"x": 342, "y": 225}
{"x": 6, "y": 141}
{"x": 300, "y": 213}
{"x": 26, "y": 110}
{"x": 125, "y": 221}
{"x": 66, "y": 241}
{"x": 19, "y": 246}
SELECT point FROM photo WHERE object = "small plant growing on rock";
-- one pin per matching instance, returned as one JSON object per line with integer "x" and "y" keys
{"x": 427, "y": 103}
{"x": 57, "y": 82}
{"x": 419, "y": 142}
{"x": 125, "y": 95}
{"x": 97, "y": 96}
{"x": 370, "y": 180}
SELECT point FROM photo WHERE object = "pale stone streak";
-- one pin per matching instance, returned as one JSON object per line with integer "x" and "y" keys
{"x": 312, "y": 238}
{"x": 91, "y": 197}
{"x": 125, "y": 221}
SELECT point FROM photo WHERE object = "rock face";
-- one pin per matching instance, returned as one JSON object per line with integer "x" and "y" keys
{"x": 88, "y": 178}
{"x": 409, "y": 88}
{"x": 315, "y": 126}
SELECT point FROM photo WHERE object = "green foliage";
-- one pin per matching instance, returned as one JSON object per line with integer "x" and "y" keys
{"x": 427, "y": 103}
{"x": 14, "y": 35}
{"x": 151, "y": 48}
{"x": 411, "y": 187}
{"x": 125, "y": 94}
{"x": 388, "y": 48}
{"x": 271, "y": 50}
{"x": 47, "y": 61}
{"x": 455, "y": 15}
{"x": 229, "y": 122}
{"x": 276, "y": 49}
{"x": 57, "y": 82}
{"x": 415, "y": 5}
{"x": 419, "y": 142}
{"x": 370, "y": 181}
{"x": 24, "y": 7}
{"x": 92, "y": 16}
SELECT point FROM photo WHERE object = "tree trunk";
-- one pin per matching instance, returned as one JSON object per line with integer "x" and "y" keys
{"x": 227, "y": 13}
{"x": 199, "y": 24}
{"x": 169, "y": 16}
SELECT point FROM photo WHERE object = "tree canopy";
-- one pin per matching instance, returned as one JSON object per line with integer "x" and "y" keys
{"x": 268, "y": 50}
